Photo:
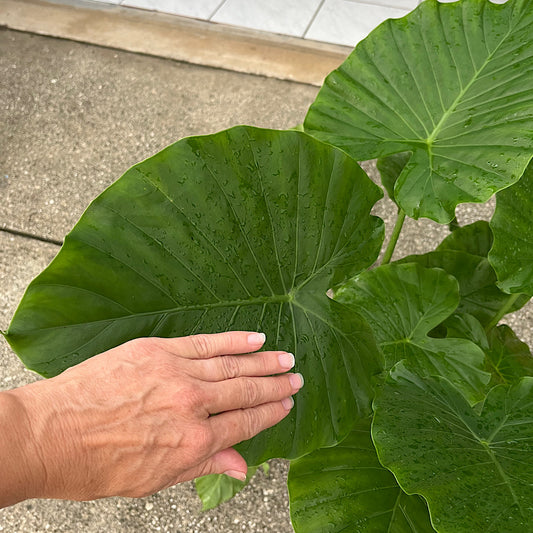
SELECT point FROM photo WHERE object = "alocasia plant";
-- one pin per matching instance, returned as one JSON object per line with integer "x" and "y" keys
{"x": 417, "y": 413}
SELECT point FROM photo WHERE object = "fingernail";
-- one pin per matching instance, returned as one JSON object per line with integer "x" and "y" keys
{"x": 286, "y": 360}
{"x": 288, "y": 403}
{"x": 296, "y": 380}
{"x": 256, "y": 339}
{"x": 241, "y": 476}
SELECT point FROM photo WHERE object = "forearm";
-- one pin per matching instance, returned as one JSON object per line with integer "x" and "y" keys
{"x": 20, "y": 470}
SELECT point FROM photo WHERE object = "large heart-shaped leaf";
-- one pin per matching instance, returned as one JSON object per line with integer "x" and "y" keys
{"x": 402, "y": 304}
{"x": 345, "y": 488}
{"x": 245, "y": 229}
{"x": 451, "y": 83}
{"x": 512, "y": 253}
{"x": 474, "y": 470}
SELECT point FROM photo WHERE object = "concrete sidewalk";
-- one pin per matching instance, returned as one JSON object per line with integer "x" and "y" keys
{"x": 73, "y": 118}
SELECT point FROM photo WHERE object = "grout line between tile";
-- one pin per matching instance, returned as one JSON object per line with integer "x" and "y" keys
{"x": 217, "y": 9}
{"x": 313, "y": 18}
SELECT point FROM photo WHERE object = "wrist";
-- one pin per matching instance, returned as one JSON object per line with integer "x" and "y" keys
{"x": 22, "y": 469}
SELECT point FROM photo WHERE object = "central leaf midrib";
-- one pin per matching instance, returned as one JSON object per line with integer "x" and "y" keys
{"x": 503, "y": 475}
{"x": 260, "y": 300}
{"x": 485, "y": 445}
{"x": 463, "y": 91}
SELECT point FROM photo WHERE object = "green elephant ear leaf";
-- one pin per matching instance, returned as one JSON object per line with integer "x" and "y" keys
{"x": 508, "y": 358}
{"x": 475, "y": 239}
{"x": 473, "y": 468}
{"x": 219, "y": 233}
{"x": 215, "y": 489}
{"x": 390, "y": 167}
{"x": 402, "y": 304}
{"x": 480, "y": 296}
{"x": 345, "y": 488}
{"x": 512, "y": 254}
{"x": 450, "y": 82}
{"x": 465, "y": 326}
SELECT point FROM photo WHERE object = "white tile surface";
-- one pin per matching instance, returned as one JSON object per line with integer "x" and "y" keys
{"x": 201, "y": 9}
{"x": 288, "y": 17}
{"x": 348, "y": 22}
{"x": 399, "y": 4}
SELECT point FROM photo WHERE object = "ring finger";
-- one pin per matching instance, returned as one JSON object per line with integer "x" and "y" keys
{"x": 245, "y": 392}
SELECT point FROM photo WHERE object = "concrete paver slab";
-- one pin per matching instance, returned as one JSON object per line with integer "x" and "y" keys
{"x": 176, "y": 37}
{"x": 21, "y": 260}
{"x": 76, "y": 117}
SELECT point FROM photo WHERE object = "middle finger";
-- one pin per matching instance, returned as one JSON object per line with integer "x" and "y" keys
{"x": 234, "y": 366}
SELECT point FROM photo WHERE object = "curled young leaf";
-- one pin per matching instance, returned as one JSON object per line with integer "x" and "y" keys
{"x": 402, "y": 304}
{"x": 507, "y": 358}
{"x": 480, "y": 295}
{"x": 390, "y": 167}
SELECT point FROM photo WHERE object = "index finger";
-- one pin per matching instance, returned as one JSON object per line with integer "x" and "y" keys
{"x": 205, "y": 346}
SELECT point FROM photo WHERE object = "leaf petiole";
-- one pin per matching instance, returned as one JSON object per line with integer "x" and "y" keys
{"x": 400, "y": 218}
{"x": 503, "y": 310}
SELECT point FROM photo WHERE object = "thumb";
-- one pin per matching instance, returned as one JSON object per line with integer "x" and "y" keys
{"x": 228, "y": 461}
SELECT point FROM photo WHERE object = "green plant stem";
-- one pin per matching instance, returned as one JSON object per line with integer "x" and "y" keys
{"x": 400, "y": 218}
{"x": 502, "y": 311}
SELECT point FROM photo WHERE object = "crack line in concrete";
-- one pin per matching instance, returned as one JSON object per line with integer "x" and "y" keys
{"x": 27, "y": 235}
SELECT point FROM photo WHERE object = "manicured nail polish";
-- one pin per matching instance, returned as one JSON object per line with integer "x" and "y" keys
{"x": 241, "y": 476}
{"x": 296, "y": 380}
{"x": 256, "y": 339}
{"x": 288, "y": 403}
{"x": 286, "y": 360}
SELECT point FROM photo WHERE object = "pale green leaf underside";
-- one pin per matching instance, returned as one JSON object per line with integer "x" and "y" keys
{"x": 450, "y": 82}
{"x": 215, "y": 489}
{"x": 402, "y": 304}
{"x": 242, "y": 230}
{"x": 475, "y": 471}
{"x": 512, "y": 253}
{"x": 345, "y": 488}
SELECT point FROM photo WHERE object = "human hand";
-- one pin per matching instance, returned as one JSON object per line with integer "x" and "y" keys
{"x": 152, "y": 413}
